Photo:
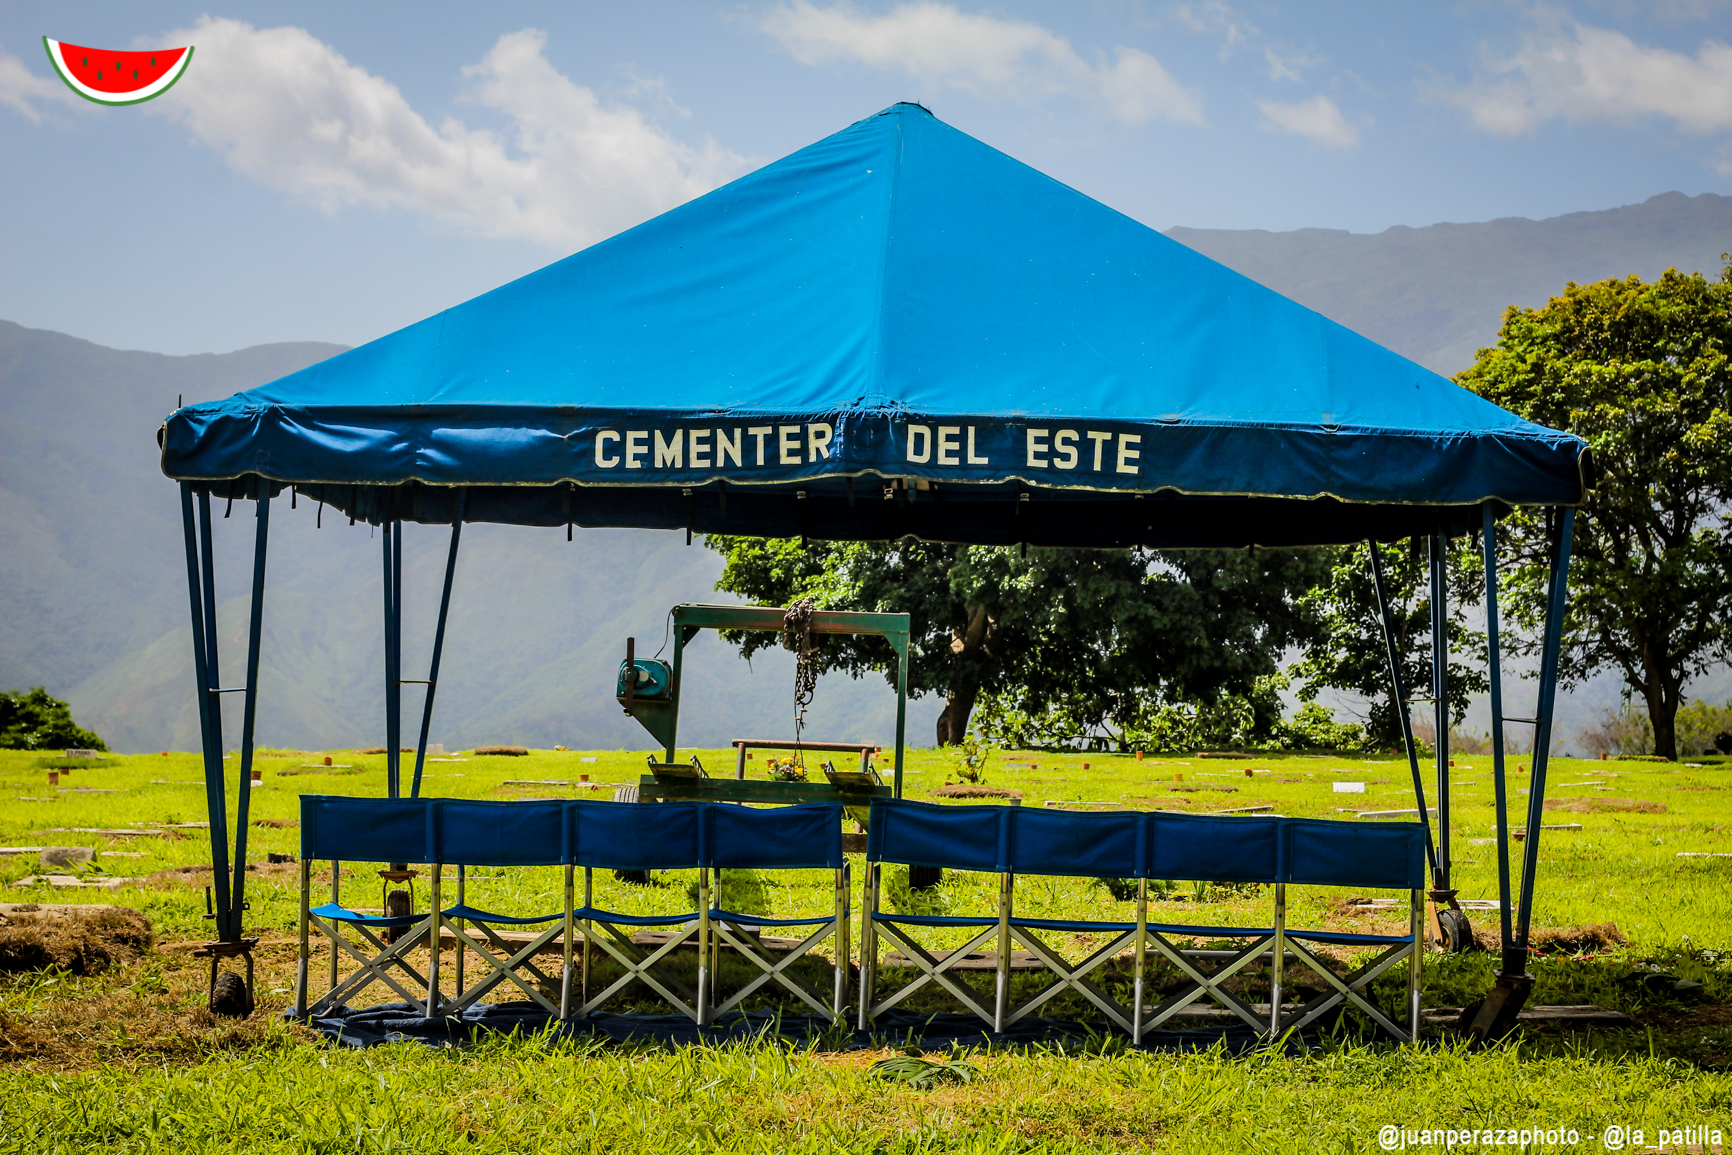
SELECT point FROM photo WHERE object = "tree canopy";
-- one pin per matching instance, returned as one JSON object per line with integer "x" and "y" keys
{"x": 31, "y": 720}
{"x": 1095, "y": 635}
{"x": 1640, "y": 370}
{"x": 1347, "y": 650}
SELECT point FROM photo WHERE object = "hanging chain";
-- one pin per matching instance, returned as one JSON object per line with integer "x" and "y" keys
{"x": 797, "y": 636}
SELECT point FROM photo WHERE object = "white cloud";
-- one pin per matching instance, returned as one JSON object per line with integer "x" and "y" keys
{"x": 289, "y": 111}
{"x": 1569, "y": 71}
{"x": 994, "y": 58}
{"x": 1218, "y": 17}
{"x": 1317, "y": 119}
{"x": 25, "y": 92}
{"x": 1280, "y": 69}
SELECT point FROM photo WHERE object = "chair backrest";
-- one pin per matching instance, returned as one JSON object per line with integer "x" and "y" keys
{"x": 953, "y": 837}
{"x": 366, "y": 829}
{"x": 471, "y": 832}
{"x": 1069, "y": 842}
{"x": 1209, "y": 848}
{"x": 1388, "y": 855}
{"x": 634, "y": 835}
{"x": 1132, "y": 844}
{"x": 781, "y": 837}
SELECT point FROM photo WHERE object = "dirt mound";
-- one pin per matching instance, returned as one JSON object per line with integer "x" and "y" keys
{"x": 1589, "y": 938}
{"x": 81, "y": 939}
{"x": 1600, "y": 805}
{"x": 965, "y": 790}
{"x": 507, "y": 751}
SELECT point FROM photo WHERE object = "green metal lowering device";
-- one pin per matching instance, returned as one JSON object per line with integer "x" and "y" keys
{"x": 656, "y": 705}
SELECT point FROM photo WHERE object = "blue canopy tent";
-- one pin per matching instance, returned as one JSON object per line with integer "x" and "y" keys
{"x": 895, "y": 331}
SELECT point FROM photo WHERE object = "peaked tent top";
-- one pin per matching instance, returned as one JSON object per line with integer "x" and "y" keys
{"x": 897, "y": 312}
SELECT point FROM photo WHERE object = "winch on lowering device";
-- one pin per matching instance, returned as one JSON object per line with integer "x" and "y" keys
{"x": 649, "y": 690}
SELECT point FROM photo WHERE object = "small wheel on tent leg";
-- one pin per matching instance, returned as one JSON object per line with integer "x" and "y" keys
{"x": 924, "y": 877}
{"x": 1457, "y": 931}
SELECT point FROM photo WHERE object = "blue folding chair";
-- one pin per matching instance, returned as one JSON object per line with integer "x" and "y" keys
{"x": 1379, "y": 855}
{"x": 475, "y": 833}
{"x": 637, "y": 836}
{"x": 380, "y": 830}
{"x": 780, "y": 838}
{"x": 1210, "y": 849}
{"x": 1071, "y": 844}
{"x": 973, "y": 838}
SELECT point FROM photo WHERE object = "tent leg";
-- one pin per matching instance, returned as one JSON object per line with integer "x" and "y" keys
{"x": 1398, "y": 688}
{"x": 1440, "y": 700}
{"x": 249, "y": 718}
{"x": 215, "y": 786}
{"x": 1495, "y": 1016}
{"x": 392, "y": 559}
{"x": 438, "y": 646}
{"x": 1549, "y": 659}
{"x": 209, "y": 705}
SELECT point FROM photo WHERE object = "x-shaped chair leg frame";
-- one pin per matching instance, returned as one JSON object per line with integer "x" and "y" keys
{"x": 777, "y": 971}
{"x": 640, "y": 966}
{"x": 1067, "y": 977}
{"x": 504, "y": 971}
{"x": 1210, "y": 985}
{"x": 932, "y": 970}
{"x": 1350, "y": 989}
{"x": 373, "y": 969}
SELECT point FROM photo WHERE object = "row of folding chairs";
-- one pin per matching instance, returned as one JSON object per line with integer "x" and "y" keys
{"x": 457, "y": 834}
{"x": 1141, "y": 847}
{"x": 1005, "y": 841}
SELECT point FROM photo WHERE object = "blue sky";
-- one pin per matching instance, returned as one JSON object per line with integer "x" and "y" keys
{"x": 334, "y": 171}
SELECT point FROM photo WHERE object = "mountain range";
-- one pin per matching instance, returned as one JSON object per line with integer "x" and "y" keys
{"x": 92, "y": 569}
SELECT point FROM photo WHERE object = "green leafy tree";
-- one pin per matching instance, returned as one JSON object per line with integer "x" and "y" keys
{"x": 1349, "y": 652}
{"x": 1090, "y": 637}
{"x": 31, "y": 720}
{"x": 1640, "y": 370}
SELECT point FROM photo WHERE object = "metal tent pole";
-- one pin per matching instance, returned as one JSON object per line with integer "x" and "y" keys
{"x": 207, "y": 701}
{"x": 216, "y": 787}
{"x": 901, "y": 712}
{"x": 249, "y": 716}
{"x": 1549, "y": 660}
{"x": 438, "y": 646}
{"x": 1398, "y": 688}
{"x": 1440, "y": 699}
{"x": 1494, "y": 674}
{"x": 392, "y": 560}
{"x": 1495, "y": 1015}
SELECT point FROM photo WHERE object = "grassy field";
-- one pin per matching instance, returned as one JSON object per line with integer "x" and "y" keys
{"x": 129, "y": 1059}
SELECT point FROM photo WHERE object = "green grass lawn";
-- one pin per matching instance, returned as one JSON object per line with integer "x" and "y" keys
{"x": 129, "y": 1060}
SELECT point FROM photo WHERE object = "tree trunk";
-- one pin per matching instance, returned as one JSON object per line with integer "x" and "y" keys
{"x": 953, "y": 719}
{"x": 965, "y": 642}
{"x": 1663, "y": 716}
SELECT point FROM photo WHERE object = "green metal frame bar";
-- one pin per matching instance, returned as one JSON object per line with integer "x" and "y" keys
{"x": 894, "y": 628}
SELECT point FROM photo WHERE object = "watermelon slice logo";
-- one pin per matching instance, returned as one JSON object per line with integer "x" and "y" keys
{"x": 109, "y": 77}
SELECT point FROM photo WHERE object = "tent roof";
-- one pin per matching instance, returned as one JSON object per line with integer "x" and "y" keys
{"x": 901, "y": 313}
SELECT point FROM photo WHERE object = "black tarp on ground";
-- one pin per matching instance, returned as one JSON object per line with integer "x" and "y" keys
{"x": 404, "y": 1022}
